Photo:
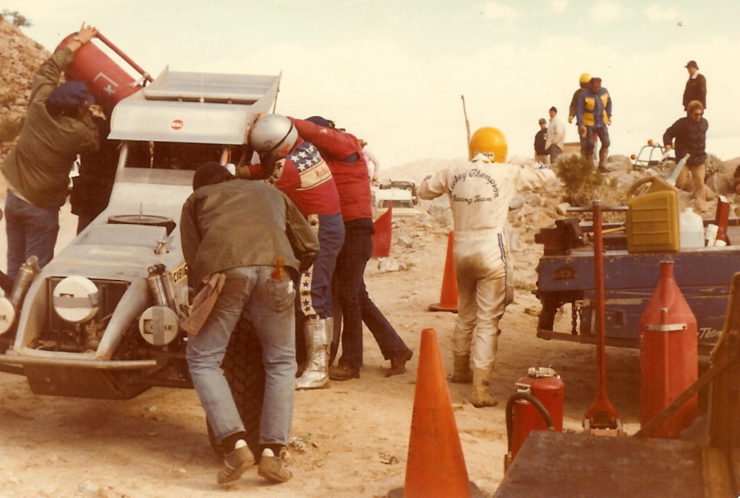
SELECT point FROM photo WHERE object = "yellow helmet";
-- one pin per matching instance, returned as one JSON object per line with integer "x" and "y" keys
{"x": 584, "y": 78}
{"x": 490, "y": 142}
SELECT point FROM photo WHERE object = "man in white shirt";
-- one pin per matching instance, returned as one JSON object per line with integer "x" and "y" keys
{"x": 555, "y": 136}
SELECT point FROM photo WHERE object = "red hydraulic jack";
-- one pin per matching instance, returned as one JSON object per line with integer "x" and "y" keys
{"x": 601, "y": 417}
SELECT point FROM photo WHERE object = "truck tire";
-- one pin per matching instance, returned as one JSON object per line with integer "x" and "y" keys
{"x": 246, "y": 376}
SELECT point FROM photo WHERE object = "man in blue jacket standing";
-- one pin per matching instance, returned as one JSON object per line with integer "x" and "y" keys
{"x": 593, "y": 115}
{"x": 690, "y": 134}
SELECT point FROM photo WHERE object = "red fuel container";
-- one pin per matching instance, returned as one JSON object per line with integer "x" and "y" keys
{"x": 105, "y": 79}
{"x": 668, "y": 355}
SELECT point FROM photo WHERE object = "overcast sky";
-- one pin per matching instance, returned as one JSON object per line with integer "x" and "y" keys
{"x": 392, "y": 71}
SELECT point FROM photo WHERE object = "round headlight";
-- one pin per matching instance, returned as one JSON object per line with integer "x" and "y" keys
{"x": 158, "y": 325}
{"x": 7, "y": 315}
{"x": 75, "y": 299}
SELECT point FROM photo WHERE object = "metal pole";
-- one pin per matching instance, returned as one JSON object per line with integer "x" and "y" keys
{"x": 467, "y": 123}
{"x": 125, "y": 57}
{"x": 601, "y": 414}
{"x": 600, "y": 305}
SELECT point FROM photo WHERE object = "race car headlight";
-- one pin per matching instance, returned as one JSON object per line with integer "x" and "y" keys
{"x": 158, "y": 325}
{"x": 75, "y": 299}
{"x": 7, "y": 315}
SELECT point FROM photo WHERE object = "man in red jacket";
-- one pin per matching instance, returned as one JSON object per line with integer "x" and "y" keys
{"x": 296, "y": 167}
{"x": 343, "y": 153}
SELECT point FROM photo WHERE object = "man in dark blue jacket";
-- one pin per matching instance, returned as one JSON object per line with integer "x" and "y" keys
{"x": 690, "y": 134}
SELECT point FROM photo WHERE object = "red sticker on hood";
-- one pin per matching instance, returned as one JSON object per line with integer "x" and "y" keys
{"x": 176, "y": 124}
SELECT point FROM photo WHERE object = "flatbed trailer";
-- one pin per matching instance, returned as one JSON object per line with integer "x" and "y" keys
{"x": 565, "y": 275}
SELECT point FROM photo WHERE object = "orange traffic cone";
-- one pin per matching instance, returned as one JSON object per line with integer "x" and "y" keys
{"x": 448, "y": 296}
{"x": 436, "y": 465}
{"x": 383, "y": 234}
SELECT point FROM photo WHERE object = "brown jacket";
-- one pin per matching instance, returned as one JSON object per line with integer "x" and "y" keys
{"x": 243, "y": 223}
{"x": 38, "y": 167}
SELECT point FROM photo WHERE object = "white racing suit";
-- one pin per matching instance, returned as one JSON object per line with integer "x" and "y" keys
{"x": 480, "y": 192}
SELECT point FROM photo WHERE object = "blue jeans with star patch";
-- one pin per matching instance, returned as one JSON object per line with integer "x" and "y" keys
{"x": 315, "y": 284}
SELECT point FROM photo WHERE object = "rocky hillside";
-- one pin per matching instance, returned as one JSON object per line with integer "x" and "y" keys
{"x": 20, "y": 57}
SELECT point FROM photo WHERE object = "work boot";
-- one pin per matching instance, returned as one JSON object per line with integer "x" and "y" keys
{"x": 316, "y": 374}
{"x": 235, "y": 463}
{"x": 398, "y": 362}
{"x": 344, "y": 372}
{"x": 461, "y": 372}
{"x": 480, "y": 393}
{"x": 273, "y": 468}
{"x": 603, "y": 154}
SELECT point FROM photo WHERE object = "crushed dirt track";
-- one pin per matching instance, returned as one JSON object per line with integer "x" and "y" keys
{"x": 350, "y": 439}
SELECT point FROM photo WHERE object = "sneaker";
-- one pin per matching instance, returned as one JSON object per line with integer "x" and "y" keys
{"x": 235, "y": 463}
{"x": 398, "y": 362}
{"x": 273, "y": 468}
{"x": 344, "y": 372}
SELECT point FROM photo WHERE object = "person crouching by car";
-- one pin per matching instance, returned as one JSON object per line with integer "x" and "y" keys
{"x": 254, "y": 236}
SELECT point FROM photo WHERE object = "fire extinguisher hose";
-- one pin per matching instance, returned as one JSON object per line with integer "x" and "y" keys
{"x": 510, "y": 413}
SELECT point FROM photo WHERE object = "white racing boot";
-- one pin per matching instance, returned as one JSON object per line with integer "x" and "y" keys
{"x": 318, "y": 336}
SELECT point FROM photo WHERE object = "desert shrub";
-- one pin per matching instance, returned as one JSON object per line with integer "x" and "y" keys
{"x": 16, "y": 18}
{"x": 580, "y": 179}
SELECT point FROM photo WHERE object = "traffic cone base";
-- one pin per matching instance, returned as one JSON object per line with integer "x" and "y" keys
{"x": 435, "y": 465}
{"x": 448, "y": 295}
{"x": 475, "y": 492}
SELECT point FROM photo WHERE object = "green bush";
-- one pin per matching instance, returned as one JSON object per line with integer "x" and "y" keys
{"x": 580, "y": 179}
{"x": 18, "y": 19}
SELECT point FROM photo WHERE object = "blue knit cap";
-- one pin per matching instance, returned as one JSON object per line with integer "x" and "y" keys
{"x": 71, "y": 94}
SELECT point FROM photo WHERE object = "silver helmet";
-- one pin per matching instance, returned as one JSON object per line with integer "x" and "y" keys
{"x": 273, "y": 134}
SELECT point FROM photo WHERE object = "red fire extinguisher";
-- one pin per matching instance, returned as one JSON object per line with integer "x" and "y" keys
{"x": 105, "y": 79}
{"x": 536, "y": 406}
{"x": 668, "y": 355}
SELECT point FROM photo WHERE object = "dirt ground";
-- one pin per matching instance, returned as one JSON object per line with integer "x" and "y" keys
{"x": 350, "y": 439}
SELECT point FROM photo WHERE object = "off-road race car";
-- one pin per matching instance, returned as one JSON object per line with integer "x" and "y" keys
{"x": 101, "y": 319}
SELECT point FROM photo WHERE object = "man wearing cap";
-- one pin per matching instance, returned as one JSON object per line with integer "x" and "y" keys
{"x": 540, "y": 139}
{"x": 593, "y": 115}
{"x": 58, "y": 126}
{"x": 696, "y": 86}
{"x": 343, "y": 153}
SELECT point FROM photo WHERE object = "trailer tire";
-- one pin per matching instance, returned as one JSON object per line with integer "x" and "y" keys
{"x": 245, "y": 374}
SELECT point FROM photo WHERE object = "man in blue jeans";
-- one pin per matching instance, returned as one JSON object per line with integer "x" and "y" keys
{"x": 58, "y": 126}
{"x": 343, "y": 153}
{"x": 255, "y": 236}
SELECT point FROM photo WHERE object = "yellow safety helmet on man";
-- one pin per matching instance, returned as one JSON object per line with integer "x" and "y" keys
{"x": 490, "y": 142}
{"x": 584, "y": 78}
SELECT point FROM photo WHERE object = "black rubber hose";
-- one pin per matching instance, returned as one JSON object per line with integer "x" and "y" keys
{"x": 510, "y": 409}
